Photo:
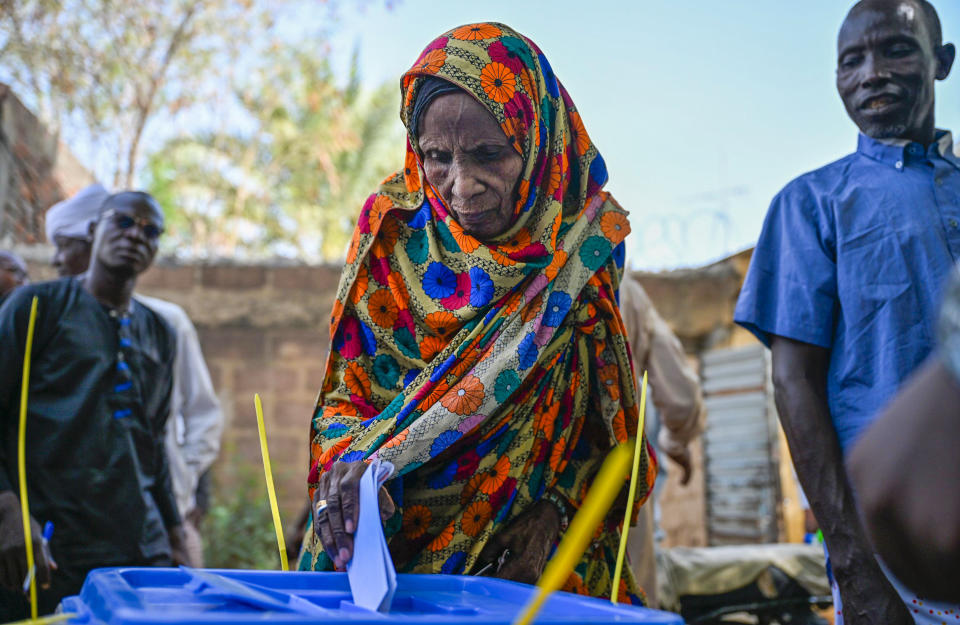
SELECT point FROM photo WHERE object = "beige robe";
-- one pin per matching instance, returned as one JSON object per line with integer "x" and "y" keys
{"x": 675, "y": 391}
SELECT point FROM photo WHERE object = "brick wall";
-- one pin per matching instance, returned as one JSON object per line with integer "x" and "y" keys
{"x": 263, "y": 330}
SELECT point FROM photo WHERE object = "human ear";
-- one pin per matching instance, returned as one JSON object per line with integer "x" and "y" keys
{"x": 945, "y": 57}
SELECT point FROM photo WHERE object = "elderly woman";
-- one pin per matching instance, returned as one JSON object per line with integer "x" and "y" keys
{"x": 477, "y": 343}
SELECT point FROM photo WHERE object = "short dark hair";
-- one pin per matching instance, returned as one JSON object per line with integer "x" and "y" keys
{"x": 932, "y": 19}
{"x": 138, "y": 197}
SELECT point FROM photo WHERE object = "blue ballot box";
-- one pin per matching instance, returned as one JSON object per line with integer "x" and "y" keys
{"x": 123, "y": 596}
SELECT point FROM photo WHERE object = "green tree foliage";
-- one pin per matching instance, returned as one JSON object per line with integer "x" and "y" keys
{"x": 290, "y": 179}
{"x": 103, "y": 70}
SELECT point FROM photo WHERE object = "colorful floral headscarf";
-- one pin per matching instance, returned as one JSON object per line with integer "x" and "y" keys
{"x": 487, "y": 372}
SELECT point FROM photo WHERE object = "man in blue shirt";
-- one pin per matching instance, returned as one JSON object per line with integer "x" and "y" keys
{"x": 845, "y": 281}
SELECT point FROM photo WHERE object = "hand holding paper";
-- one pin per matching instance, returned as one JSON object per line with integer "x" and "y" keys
{"x": 372, "y": 576}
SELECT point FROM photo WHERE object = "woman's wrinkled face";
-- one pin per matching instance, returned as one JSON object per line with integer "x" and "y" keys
{"x": 468, "y": 160}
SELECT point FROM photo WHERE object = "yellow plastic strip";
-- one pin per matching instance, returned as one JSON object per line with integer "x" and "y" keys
{"x": 606, "y": 486}
{"x": 622, "y": 551}
{"x": 46, "y": 620}
{"x": 22, "y": 456}
{"x": 271, "y": 493}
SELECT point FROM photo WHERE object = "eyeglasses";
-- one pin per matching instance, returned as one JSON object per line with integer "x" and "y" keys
{"x": 126, "y": 222}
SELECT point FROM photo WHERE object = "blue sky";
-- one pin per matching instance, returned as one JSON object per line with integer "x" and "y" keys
{"x": 703, "y": 109}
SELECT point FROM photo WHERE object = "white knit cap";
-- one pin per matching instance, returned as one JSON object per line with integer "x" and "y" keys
{"x": 72, "y": 217}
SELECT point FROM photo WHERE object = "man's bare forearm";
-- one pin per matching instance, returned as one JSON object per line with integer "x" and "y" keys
{"x": 819, "y": 464}
{"x": 799, "y": 372}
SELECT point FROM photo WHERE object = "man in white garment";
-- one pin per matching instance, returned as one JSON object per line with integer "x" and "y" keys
{"x": 196, "y": 421}
{"x": 675, "y": 392}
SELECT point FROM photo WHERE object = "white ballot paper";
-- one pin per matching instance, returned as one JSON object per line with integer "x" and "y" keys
{"x": 373, "y": 579}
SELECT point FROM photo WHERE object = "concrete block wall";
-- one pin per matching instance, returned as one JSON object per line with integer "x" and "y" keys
{"x": 263, "y": 329}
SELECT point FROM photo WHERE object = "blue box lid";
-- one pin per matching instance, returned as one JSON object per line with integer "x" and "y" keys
{"x": 145, "y": 596}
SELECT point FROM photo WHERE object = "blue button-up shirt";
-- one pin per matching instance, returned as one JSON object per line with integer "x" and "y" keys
{"x": 854, "y": 257}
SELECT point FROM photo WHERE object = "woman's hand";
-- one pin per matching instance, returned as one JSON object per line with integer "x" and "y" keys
{"x": 529, "y": 538}
{"x": 336, "y": 509}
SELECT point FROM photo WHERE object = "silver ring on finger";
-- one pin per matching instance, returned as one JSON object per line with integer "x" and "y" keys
{"x": 322, "y": 506}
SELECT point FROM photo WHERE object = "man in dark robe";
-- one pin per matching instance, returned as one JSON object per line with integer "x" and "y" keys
{"x": 99, "y": 397}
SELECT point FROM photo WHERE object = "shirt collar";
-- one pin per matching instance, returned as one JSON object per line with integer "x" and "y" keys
{"x": 896, "y": 152}
{"x": 113, "y": 312}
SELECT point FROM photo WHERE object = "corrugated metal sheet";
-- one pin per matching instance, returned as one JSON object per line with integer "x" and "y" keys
{"x": 740, "y": 443}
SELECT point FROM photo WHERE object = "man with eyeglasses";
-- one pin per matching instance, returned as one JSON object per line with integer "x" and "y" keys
{"x": 99, "y": 398}
{"x": 196, "y": 420}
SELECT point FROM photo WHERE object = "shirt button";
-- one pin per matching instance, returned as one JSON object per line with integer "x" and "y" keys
{"x": 899, "y": 165}
{"x": 954, "y": 223}
{"x": 939, "y": 182}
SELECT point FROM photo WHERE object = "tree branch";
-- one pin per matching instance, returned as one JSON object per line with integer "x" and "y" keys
{"x": 45, "y": 106}
{"x": 145, "y": 107}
